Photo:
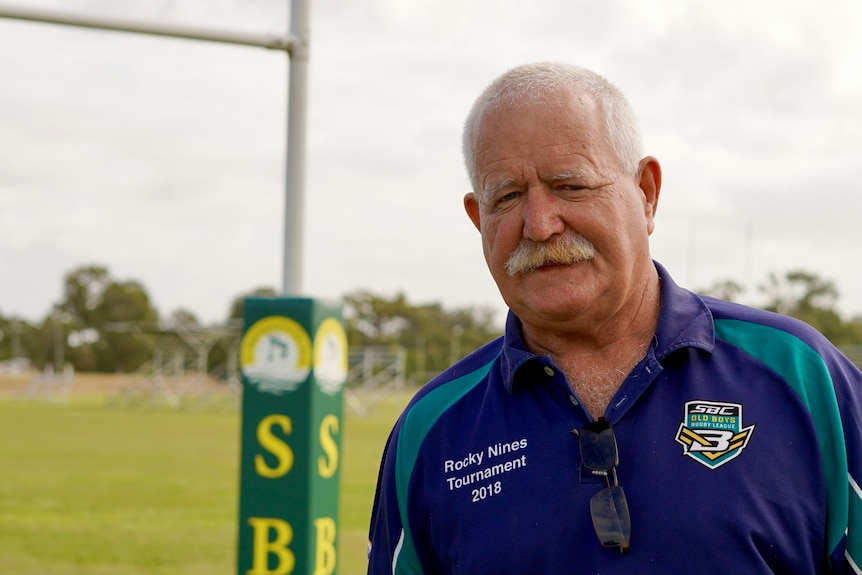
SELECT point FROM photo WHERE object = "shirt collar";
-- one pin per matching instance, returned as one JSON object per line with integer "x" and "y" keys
{"x": 684, "y": 321}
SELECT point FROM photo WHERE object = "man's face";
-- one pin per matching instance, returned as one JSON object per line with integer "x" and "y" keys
{"x": 547, "y": 173}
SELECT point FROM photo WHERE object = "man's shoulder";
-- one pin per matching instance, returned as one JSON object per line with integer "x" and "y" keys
{"x": 726, "y": 311}
{"x": 436, "y": 397}
{"x": 766, "y": 329}
{"x": 478, "y": 361}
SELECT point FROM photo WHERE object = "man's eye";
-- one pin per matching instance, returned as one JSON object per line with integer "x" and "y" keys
{"x": 504, "y": 199}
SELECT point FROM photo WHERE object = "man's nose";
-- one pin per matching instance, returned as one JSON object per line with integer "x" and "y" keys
{"x": 542, "y": 215}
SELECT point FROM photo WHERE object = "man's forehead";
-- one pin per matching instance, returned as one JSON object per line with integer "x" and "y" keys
{"x": 553, "y": 137}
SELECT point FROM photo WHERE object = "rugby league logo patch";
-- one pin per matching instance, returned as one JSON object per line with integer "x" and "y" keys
{"x": 712, "y": 432}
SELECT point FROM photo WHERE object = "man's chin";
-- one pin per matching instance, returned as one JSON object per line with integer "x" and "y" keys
{"x": 549, "y": 292}
{"x": 548, "y": 313}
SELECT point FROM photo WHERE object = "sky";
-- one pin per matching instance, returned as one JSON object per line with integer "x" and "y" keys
{"x": 163, "y": 159}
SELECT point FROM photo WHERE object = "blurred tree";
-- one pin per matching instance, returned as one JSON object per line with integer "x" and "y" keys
{"x": 182, "y": 318}
{"x": 219, "y": 354}
{"x": 236, "y": 307}
{"x": 798, "y": 292}
{"x": 14, "y": 335}
{"x": 122, "y": 314}
{"x": 432, "y": 336}
{"x": 375, "y": 320}
{"x": 727, "y": 289}
{"x": 98, "y": 325}
{"x": 812, "y": 299}
{"x": 32, "y": 344}
{"x": 82, "y": 293}
{"x": 5, "y": 338}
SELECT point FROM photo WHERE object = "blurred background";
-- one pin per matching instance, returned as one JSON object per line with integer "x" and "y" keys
{"x": 142, "y": 196}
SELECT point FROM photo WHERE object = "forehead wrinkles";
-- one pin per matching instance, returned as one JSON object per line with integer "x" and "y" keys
{"x": 539, "y": 143}
{"x": 517, "y": 173}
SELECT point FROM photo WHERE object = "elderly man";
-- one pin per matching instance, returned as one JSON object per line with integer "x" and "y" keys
{"x": 622, "y": 424}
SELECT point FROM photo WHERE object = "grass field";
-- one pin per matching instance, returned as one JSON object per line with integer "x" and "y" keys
{"x": 90, "y": 488}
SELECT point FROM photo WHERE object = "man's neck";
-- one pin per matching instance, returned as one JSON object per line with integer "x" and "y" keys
{"x": 597, "y": 361}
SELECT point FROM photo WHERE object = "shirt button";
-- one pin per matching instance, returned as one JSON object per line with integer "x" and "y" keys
{"x": 549, "y": 371}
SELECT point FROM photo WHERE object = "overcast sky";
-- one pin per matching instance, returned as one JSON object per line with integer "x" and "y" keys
{"x": 163, "y": 160}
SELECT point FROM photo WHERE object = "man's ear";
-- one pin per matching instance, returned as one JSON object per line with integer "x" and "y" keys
{"x": 471, "y": 204}
{"x": 650, "y": 184}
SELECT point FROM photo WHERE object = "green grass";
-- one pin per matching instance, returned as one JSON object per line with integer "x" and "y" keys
{"x": 91, "y": 489}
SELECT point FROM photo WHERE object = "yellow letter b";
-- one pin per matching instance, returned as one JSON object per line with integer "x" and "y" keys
{"x": 263, "y": 547}
{"x": 324, "y": 548}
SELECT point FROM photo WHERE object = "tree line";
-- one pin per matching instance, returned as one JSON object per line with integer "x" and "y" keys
{"x": 104, "y": 324}
{"x": 803, "y": 295}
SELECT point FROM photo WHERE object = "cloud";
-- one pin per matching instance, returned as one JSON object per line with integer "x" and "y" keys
{"x": 164, "y": 159}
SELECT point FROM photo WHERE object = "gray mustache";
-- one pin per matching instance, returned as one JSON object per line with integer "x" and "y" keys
{"x": 569, "y": 248}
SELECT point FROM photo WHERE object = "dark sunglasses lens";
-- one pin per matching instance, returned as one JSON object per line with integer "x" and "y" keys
{"x": 611, "y": 519}
{"x": 599, "y": 446}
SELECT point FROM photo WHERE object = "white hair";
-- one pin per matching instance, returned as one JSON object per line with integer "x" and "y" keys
{"x": 535, "y": 83}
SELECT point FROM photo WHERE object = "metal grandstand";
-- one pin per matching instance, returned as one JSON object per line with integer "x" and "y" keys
{"x": 178, "y": 375}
